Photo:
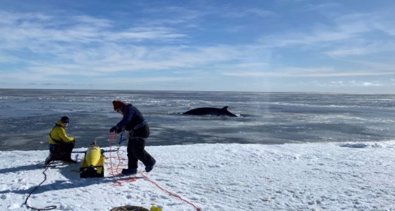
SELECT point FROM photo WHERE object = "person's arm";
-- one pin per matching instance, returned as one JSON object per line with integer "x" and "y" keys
{"x": 64, "y": 137}
{"x": 129, "y": 113}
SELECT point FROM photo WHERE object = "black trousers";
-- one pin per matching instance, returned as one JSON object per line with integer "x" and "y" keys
{"x": 61, "y": 151}
{"x": 136, "y": 145}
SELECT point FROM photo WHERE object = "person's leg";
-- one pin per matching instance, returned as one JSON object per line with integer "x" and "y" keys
{"x": 132, "y": 158}
{"x": 137, "y": 152}
{"x": 67, "y": 148}
{"x": 51, "y": 154}
{"x": 138, "y": 149}
{"x": 56, "y": 151}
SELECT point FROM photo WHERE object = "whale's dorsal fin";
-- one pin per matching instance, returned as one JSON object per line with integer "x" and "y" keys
{"x": 224, "y": 108}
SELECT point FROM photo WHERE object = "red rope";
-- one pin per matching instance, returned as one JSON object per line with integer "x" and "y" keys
{"x": 119, "y": 158}
{"x": 121, "y": 181}
{"x": 111, "y": 138}
{"x": 170, "y": 193}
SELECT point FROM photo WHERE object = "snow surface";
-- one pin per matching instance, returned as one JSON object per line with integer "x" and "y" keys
{"x": 309, "y": 176}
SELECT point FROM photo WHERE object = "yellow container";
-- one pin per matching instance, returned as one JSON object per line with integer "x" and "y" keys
{"x": 93, "y": 156}
{"x": 155, "y": 208}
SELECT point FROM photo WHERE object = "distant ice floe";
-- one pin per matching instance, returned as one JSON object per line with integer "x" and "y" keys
{"x": 360, "y": 145}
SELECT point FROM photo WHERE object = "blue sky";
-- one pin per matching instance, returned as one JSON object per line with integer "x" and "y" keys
{"x": 230, "y": 45}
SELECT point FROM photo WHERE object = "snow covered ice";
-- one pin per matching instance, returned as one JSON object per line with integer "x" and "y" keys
{"x": 307, "y": 176}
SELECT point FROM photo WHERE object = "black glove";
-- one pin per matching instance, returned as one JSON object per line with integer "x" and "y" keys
{"x": 115, "y": 129}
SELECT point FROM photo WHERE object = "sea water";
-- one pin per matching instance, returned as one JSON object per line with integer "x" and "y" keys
{"x": 27, "y": 116}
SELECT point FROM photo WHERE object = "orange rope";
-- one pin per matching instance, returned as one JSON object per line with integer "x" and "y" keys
{"x": 119, "y": 158}
{"x": 111, "y": 138}
{"x": 170, "y": 193}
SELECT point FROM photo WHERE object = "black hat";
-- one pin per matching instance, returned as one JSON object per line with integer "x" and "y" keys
{"x": 64, "y": 119}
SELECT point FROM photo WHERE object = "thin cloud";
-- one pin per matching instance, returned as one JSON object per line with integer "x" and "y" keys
{"x": 345, "y": 52}
{"x": 93, "y": 21}
{"x": 353, "y": 83}
{"x": 345, "y": 28}
{"x": 306, "y": 72}
{"x": 79, "y": 29}
{"x": 246, "y": 13}
{"x": 172, "y": 16}
{"x": 145, "y": 33}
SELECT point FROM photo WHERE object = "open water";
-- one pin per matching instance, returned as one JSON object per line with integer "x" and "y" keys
{"x": 26, "y": 117}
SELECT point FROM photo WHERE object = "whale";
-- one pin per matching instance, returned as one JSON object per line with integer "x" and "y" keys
{"x": 210, "y": 111}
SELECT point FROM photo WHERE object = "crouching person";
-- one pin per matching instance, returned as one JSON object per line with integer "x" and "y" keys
{"x": 60, "y": 144}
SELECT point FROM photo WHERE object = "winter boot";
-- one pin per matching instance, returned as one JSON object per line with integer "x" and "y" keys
{"x": 129, "y": 171}
{"x": 150, "y": 167}
{"x": 68, "y": 159}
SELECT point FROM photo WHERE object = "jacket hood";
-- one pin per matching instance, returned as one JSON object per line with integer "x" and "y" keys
{"x": 59, "y": 123}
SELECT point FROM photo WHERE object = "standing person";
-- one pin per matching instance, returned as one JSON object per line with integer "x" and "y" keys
{"x": 60, "y": 144}
{"x": 133, "y": 121}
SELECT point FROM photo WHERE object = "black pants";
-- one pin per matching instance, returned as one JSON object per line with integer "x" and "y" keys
{"x": 61, "y": 151}
{"x": 136, "y": 145}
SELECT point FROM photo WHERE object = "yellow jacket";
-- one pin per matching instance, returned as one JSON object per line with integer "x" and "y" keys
{"x": 58, "y": 133}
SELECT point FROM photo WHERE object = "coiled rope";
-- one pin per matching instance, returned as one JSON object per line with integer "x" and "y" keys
{"x": 111, "y": 138}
